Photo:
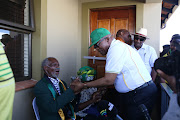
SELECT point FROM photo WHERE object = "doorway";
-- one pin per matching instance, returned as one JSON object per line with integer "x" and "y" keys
{"x": 112, "y": 19}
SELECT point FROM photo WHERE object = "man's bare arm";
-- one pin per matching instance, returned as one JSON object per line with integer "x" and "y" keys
{"x": 153, "y": 74}
{"x": 107, "y": 80}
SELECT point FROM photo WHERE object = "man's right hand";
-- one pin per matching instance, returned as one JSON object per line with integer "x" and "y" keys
{"x": 76, "y": 86}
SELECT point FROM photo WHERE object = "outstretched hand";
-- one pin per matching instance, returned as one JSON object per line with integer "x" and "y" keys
{"x": 96, "y": 97}
{"x": 76, "y": 86}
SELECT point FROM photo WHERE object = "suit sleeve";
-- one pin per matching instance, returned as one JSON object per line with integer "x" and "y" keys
{"x": 45, "y": 100}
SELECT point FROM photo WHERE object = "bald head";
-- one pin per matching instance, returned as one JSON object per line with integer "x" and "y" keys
{"x": 124, "y": 35}
{"x": 121, "y": 32}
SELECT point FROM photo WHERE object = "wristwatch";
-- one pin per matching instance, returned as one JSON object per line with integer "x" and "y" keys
{"x": 85, "y": 86}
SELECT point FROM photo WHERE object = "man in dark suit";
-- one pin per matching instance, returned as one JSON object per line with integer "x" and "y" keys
{"x": 53, "y": 97}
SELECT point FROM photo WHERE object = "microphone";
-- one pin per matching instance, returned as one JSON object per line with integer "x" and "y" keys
{"x": 144, "y": 110}
{"x": 118, "y": 117}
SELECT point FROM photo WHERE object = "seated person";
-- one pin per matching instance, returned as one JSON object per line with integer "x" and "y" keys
{"x": 53, "y": 98}
{"x": 88, "y": 97}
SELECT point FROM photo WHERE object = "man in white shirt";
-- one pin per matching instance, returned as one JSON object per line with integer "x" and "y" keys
{"x": 124, "y": 36}
{"x": 126, "y": 70}
{"x": 147, "y": 53}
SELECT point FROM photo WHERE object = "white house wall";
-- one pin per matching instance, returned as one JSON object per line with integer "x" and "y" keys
{"x": 62, "y": 36}
{"x": 152, "y": 22}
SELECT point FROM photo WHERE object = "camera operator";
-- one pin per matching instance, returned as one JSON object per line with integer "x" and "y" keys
{"x": 168, "y": 68}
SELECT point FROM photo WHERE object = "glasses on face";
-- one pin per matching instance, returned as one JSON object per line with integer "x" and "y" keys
{"x": 57, "y": 68}
{"x": 129, "y": 36}
{"x": 97, "y": 44}
{"x": 54, "y": 66}
{"x": 139, "y": 38}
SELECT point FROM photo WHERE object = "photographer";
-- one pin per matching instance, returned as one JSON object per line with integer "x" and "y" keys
{"x": 168, "y": 68}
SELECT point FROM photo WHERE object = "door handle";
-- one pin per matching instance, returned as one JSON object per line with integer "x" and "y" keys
{"x": 94, "y": 58}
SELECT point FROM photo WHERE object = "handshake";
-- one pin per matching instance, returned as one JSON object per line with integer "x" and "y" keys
{"x": 76, "y": 85}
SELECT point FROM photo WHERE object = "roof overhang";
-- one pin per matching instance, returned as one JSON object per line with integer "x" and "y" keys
{"x": 168, "y": 7}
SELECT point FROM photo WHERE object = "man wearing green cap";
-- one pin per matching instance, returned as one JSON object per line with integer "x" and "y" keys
{"x": 126, "y": 70}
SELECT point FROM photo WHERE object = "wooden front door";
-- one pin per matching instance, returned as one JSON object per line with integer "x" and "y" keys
{"x": 112, "y": 19}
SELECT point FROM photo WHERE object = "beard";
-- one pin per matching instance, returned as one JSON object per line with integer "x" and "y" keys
{"x": 102, "y": 51}
{"x": 55, "y": 75}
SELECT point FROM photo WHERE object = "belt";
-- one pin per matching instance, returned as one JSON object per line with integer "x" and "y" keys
{"x": 145, "y": 85}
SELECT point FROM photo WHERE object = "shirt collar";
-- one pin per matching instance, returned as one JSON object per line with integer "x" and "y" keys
{"x": 120, "y": 39}
{"x": 53, "y": 80}
{"x": 143, "y": 46}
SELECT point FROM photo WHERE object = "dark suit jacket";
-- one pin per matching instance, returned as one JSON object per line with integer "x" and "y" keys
{"x": 48, "y": 107}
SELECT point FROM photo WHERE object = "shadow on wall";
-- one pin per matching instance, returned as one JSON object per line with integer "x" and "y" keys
{"x": 22, "y": 108}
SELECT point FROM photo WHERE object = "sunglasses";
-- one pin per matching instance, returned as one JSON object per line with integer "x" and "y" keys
{"x": 97, "y": 44}
{"x": 139, "y": 38}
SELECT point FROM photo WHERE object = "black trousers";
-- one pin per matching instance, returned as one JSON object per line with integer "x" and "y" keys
{"x": 129, "y": 103}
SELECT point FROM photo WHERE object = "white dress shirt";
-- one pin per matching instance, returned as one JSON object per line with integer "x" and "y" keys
{"x": 55, "y": 83}
{"x": 123, "y": 60}
{"x": 148, "y": 55}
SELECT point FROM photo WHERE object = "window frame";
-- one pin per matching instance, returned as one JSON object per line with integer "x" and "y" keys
{"x": 29, "y": 52}
{"x": 12, "y": 26}
{"x": 20, "y": 26}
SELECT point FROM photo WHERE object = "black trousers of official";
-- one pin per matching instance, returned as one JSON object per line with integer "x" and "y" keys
{"x": 129, "y": 103}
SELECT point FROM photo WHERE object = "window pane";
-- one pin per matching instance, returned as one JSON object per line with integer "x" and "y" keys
{"x": 16, "y": 11}
{"x": 17, "y": 48}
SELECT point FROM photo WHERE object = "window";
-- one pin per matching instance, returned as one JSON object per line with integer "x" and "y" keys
{"x": 16, "y": 27}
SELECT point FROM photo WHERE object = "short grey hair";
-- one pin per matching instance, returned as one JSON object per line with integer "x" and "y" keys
{"x": 45, "y": 62}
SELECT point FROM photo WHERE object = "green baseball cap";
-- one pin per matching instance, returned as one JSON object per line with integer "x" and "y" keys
{"x": 97, "y": 34}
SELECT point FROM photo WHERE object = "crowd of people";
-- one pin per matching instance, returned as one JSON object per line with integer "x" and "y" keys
{"x": 131, "y": 67}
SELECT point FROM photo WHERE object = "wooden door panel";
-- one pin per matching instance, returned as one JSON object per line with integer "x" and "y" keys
{"x": 99, "y": 66}
{"x": 132, "y": 20}
{"x": 93, "y": 19}
{"x": 101, "y": 70}
{"x": 114, "y": 13}
{"x": 121, "y": 24}
{"x": 113, "y": 27}
{"x": 105, "y": 23}
{"x": 93, "y": 26}
{"x": 112, "y": 19}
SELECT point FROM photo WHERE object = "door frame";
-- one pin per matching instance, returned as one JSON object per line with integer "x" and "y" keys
{"x": 86, "y": 21}
{"x": 132, "y": 15}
